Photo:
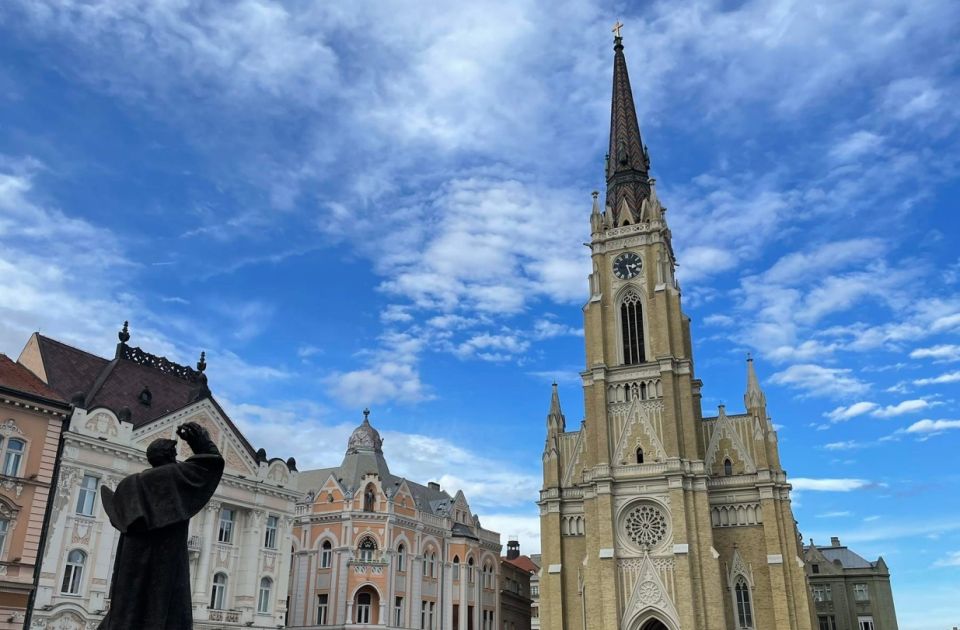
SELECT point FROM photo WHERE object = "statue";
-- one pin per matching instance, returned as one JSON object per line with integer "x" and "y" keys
{"x": 150, "y": 589}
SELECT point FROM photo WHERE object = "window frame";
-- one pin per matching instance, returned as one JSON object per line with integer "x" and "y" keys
{"x": 323, "y": 608}
{"x": 218, "y": 591}
{"x": 271, "y": 531}
{"x": 263, "y": 603}
{"x": 361, "y": 608}
{"x": 861, "y": 594}
{"x": 326, "y": 554}
{"x": 638, "y": 305}
{"x": 18, "y": 454}
{"x": 865, "y": 622}
{"x": 743, "y": 611}
{"x": 72, "y": 583}
{"x": 225, "y": 534}
{"x": 398, "y": 610}
{"x": 401, "y": 558}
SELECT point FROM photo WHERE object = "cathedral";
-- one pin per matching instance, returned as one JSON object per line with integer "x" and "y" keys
{"x": 652, "y": 516}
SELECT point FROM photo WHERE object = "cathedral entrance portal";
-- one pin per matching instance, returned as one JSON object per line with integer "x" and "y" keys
{"x": 653, "y": 624}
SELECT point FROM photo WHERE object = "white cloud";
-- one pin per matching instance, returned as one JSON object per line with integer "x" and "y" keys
{"x": 941, "y": 353}
{"x": 845, "y": 445}
{"x": 817, "y": 380}
{"x": 845, "y": 413}
{"x": 952, "y": 559}
{"x": 855, "y": 146}
{"x": 947, "y": 377}
{"x": 829, "y": 485}
{"x": 838, "y": 514}
{"x": 928, "y": 426}
{"x": 902, "y": 408}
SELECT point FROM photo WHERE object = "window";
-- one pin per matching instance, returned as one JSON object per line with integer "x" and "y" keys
{"x": 456, "y": 568}
{"x": 326, "y": 555}
{"x": 87, "y": 497}
{"x": 11, "y": 461}
{"x": 487, "y": 576}
{"x": 322, "y": 607}
{"x": 73, "y": 575}
{"x": 631, "y": 328}
{"x": 865, "y": 623}
{"x": 4, "y": 528}
{"x": 398, "y": 611}
{"x": 727, "y": 467}
{"x": 401, "y": 558}
{"x": 363, "y": 607}
{"x": 639, "y": 455}
{"x": 263, "y": 602}
{"x": 429, "y": 564}
{"x": 469, "y": 617}
{"x": 218, "y": 593}
{"x": 822, "y": 593}
{"x": 534, "y": 590}
{"x": 270, "y": 535}
{"x": 815, "y": 568}
{"x": 470, "y": 577}
{"x": 744, "y": 612}
{"x": 367, "y": 548}
{"x": 227, "y": 518}
{"x": 861, "y": 593}
{"x": 426, "y": 615}
{"x": 488, "y": 620}
{"x": 826, "y": 622}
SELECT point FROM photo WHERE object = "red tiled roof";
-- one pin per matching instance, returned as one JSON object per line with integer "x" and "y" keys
{"x": 69, "y": 370}
{"x": 522, "y": 562}
{"x": 14, "y": 376}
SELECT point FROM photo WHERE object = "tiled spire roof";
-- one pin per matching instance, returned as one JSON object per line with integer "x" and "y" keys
{"x": 628, "y": 164}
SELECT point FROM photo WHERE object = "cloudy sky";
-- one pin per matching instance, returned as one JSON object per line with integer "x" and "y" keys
{"x": 383, "y": 203}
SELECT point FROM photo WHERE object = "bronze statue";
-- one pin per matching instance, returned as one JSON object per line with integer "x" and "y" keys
{"x": 152, "y": 509}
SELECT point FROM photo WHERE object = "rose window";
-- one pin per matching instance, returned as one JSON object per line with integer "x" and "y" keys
{"x": 646, "y": 525}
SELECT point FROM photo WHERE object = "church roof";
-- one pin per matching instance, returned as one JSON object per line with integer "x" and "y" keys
{"x": 16, "y": 378}
{"x": 628, "y": 163}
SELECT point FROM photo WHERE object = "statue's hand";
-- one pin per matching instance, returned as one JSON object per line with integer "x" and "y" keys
{"x": 197, "y": 438}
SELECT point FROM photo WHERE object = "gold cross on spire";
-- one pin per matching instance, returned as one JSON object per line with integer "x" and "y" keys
{"x": 616, "y": 29}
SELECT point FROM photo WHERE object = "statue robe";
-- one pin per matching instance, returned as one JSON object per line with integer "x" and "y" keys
{"x": 151, "y": 574}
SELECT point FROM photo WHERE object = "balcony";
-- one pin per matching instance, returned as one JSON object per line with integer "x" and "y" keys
{"x": 194, "y": 544}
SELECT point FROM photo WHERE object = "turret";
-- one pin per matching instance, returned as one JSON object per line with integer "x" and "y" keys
{"x": 556, "y": 425}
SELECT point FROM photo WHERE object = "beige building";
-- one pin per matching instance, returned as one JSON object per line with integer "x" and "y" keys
{"x": 31, "y": 419}
{"x": 849, "y": 591}
{"x": 374, "y": 549}
{"x": 239, "y": 544}
{"x": 652, "y": 516}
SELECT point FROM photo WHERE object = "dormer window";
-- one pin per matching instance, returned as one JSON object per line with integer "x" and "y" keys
{"x": 727, "y": 467}
{"x": 145, "y": 396}
{"x": 639, "y": 455}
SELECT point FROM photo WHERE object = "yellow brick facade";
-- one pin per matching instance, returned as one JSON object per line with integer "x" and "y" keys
{"x": 653, "y": 516}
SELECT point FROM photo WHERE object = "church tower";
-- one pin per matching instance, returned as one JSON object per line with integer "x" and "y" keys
{"x": 652, "y": 516}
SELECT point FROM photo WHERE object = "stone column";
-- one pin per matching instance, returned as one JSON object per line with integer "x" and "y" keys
{"x": 200, "y": 595}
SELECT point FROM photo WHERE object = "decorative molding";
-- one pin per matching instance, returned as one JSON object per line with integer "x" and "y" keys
{"x": 9, "y": 427}
{"x": 724, "y": 427}
{"x": 649, "y": 594}
{"x": 736, "y": 515}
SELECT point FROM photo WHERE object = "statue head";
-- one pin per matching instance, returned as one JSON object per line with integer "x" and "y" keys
{"x": 162, "y": 451}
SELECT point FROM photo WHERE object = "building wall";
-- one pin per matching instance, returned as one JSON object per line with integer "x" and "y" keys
{"x": 331, "y": 515}
{"x": 840, "y": 603}
{"x": 514, "y": 597}
{"x": 100, "y": 445}
{"x": 23, "y": 498}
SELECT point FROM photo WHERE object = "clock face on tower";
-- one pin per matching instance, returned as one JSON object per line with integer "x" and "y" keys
{"x": 627, "y": 265}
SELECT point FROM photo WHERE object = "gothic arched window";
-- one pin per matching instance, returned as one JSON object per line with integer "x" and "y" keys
{"x": 367, "y": 547}
{"x": 456, "y": 568}
{"x": 326, "y": 555}
{"x": 727, "y": 467}
{"x": 744, "y": 610}
{"x": 631, "y": 329}
{"x": 401, "y": 558}
{"x": 369, "y": 497}
{"x": 639, "y": 455}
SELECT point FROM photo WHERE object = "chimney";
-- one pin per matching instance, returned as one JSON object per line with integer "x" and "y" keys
{"x": 433, "y": 485}
{"x": 513, "y": 548}
{"x": 834, "y": 541}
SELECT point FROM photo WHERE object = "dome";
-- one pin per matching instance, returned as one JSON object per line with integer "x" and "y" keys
{"x": 365, "y": 438}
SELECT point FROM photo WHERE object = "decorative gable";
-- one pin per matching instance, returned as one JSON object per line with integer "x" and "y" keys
{"x": 725, "y": 442}
{"x": 649, "y": 597}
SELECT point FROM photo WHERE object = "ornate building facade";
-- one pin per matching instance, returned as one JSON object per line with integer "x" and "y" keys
{"x": 32, "y": 416}
{"x": 376, "y": 549}
{"x": 652, "y": 516}
{"x": 239, "y": 544}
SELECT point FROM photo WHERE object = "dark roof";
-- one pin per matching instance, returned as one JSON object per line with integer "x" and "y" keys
{"x": 118, "y": 384}
{"x": 523, "y": 563}
{"x": 627, "y": 160}
{"x": 17, "y": 378}
{"x": 69, "y": 370}
{"x": 848, "y": 558}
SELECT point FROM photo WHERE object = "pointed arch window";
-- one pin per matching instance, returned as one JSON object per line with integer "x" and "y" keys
{"x": 639, "y": 455}
{"x": 401, "y": 558}
{"x": 470, "y": 576}
{"x": 366, "y": 549}
{"x": 631, "y": 329}
{"x": 727, "y": 467}
{"x": 456, "y": 568}
{"x": 744, "y": 609}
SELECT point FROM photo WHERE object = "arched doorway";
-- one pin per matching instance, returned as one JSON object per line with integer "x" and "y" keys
{"x": 654, "y": 624}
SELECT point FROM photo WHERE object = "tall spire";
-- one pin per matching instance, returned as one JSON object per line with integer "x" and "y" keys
{"x": 754, "y": 398}
{"x": 555, "y": 419}
{"x": 628, "y": 164}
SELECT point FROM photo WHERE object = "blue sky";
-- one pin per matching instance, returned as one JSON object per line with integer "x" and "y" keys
{"x": 383, "y": 204}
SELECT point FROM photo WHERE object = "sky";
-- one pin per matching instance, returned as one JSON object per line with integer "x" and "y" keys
{"x": 383, "y": 204}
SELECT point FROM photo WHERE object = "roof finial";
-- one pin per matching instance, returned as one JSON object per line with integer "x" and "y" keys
{"x": 202, "y": 363}
{"x": 124, "y": 335}
{"x": 616, "y": 30}
{"x": 366, "y": 414}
